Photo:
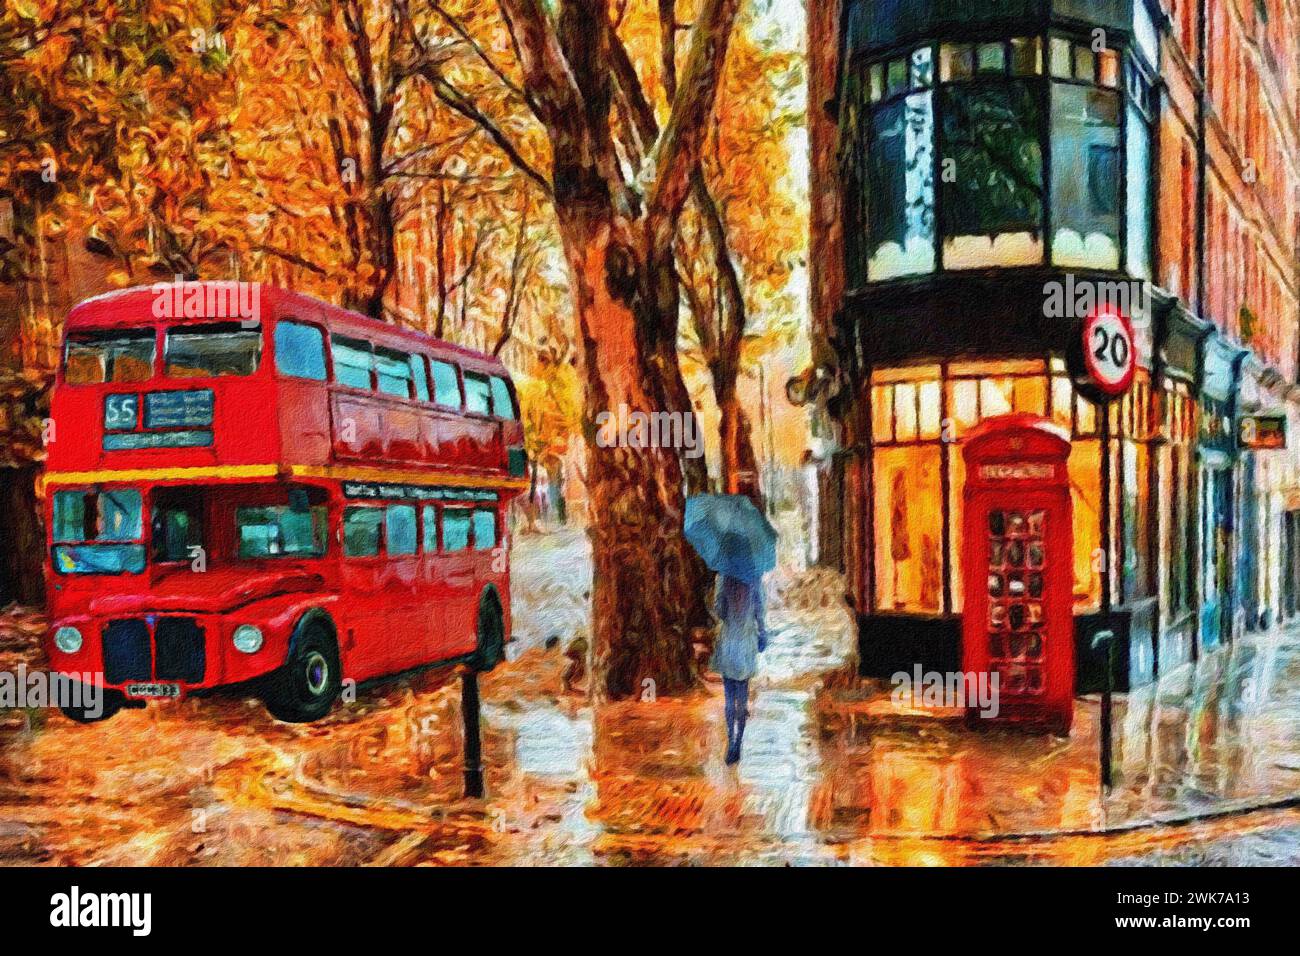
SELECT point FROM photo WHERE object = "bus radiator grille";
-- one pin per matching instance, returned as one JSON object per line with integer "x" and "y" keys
{"x": 180, "y": 654}
{"x": 126, "y": 652}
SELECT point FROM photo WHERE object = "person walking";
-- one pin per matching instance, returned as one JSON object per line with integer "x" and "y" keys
{"x": 742, "y": 637}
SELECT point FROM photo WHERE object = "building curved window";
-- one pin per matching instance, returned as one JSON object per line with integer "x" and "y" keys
{"x": 1086, "y": 174}
{"x": 944, "y": 156}
{"x": 899, "y": 167}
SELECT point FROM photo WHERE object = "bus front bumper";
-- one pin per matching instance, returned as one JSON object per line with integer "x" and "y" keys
{"x": 167, "y": 657}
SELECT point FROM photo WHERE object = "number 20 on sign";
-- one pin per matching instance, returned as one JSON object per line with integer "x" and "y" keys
{"x": 1107, "y": 355}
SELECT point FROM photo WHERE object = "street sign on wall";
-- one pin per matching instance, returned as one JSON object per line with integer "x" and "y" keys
{"x": 1103, "y": 360}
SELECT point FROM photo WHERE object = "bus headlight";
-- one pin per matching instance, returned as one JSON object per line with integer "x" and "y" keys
{"x": 67, "y": 639}
{"x": 248, "y": 638}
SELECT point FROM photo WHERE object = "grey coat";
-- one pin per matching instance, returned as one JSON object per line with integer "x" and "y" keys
{"x": 743, "y": 631}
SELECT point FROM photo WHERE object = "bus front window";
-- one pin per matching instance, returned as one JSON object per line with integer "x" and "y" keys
{"x": 274, "y": 531}
{"x": 98, "y": 532}
{"x": 118, "y": 356}
{"x": 218, "y": 348}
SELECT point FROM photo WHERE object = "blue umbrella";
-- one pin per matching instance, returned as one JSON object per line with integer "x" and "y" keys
{"x": 731, "y": 535}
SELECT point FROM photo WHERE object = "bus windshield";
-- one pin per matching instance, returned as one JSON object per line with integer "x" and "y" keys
{"x": 98, "y": 532}
{"x": 117, "y": 356}
{"x": 219, "y": 348}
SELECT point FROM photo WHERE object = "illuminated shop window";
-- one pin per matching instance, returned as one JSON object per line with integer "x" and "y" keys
{"x": 919, "y": 417}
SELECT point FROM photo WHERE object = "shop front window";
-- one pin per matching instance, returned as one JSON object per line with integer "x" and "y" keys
{"x": 920, "y": 416}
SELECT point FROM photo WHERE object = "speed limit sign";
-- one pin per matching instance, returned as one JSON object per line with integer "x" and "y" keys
{"x": 1107, "y": 355}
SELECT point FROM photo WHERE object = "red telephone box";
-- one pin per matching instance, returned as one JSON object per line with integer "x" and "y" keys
{"x": 1018, "y": 563}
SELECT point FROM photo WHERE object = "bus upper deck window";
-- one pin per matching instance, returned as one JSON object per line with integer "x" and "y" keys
{"x": 300, "y": 351}
{"x": 352, "y": 361}
{"x": 393, "y": 372}
{"x": 218, "y": 348}
{"x": 503, "y": 405}
{"x": 446, "y": 385}
{"x": 118, "y": 356}
{"x": 478, "y": 394}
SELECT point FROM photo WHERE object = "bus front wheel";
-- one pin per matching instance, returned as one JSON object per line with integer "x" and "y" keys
{"x": 305, "y": 688}
{"x": 491, "y": 634}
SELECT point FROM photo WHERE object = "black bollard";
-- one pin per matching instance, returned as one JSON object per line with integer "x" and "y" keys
{"x": 473, "y": 743}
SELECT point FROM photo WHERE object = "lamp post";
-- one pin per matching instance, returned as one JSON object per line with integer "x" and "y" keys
{"x": 1106, "y": 639}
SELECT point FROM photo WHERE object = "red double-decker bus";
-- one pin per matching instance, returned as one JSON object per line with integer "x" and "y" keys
{"x": 272, "y": 491}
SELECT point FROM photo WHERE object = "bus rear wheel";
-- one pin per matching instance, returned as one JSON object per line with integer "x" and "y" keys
{"x": 491, "y": 634}
{"x": 305, "y": 688}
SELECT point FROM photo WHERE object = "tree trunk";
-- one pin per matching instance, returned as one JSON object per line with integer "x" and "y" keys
{"x": 738, "y": 459}
{"x": 646, "y": 593}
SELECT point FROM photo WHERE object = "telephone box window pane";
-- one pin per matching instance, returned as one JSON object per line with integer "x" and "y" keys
{"x": 1085, "y": 63}
{"x": 877, "y": 80}
{"x": 900, "y": 188}
{"x": 300, "y": 351}
{"x": 1085, "y": 177}
{"x": 909, "y": 528}
{"x": 897, "y": 76}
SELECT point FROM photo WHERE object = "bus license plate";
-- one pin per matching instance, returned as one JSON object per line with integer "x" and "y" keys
{"x": 165, "y": 691}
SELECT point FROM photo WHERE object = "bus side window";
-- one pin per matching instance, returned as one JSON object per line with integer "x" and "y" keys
{"x": 361, "y": 531}
{"x": 300, "y": 351}
{"x": 485, "y": 529}
{"x": 455, "y": 529}
{"x": 503, "y": 405}
{"x": 352, "y": 361}
{"x": 478, "y": 394}
{"x": 399, "y": 529}
{"x": 446, "y": 386}
{"x": 430, "y": 519}
{"x": 419, "y": 378}
{"x": 393, "y": 372}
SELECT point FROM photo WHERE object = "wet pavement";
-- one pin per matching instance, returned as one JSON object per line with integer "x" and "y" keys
{"x": 832, "y": 772}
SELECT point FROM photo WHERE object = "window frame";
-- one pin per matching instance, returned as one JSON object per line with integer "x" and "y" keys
{"x": 866, "y": 80}
{"x": 327, "y": 357}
